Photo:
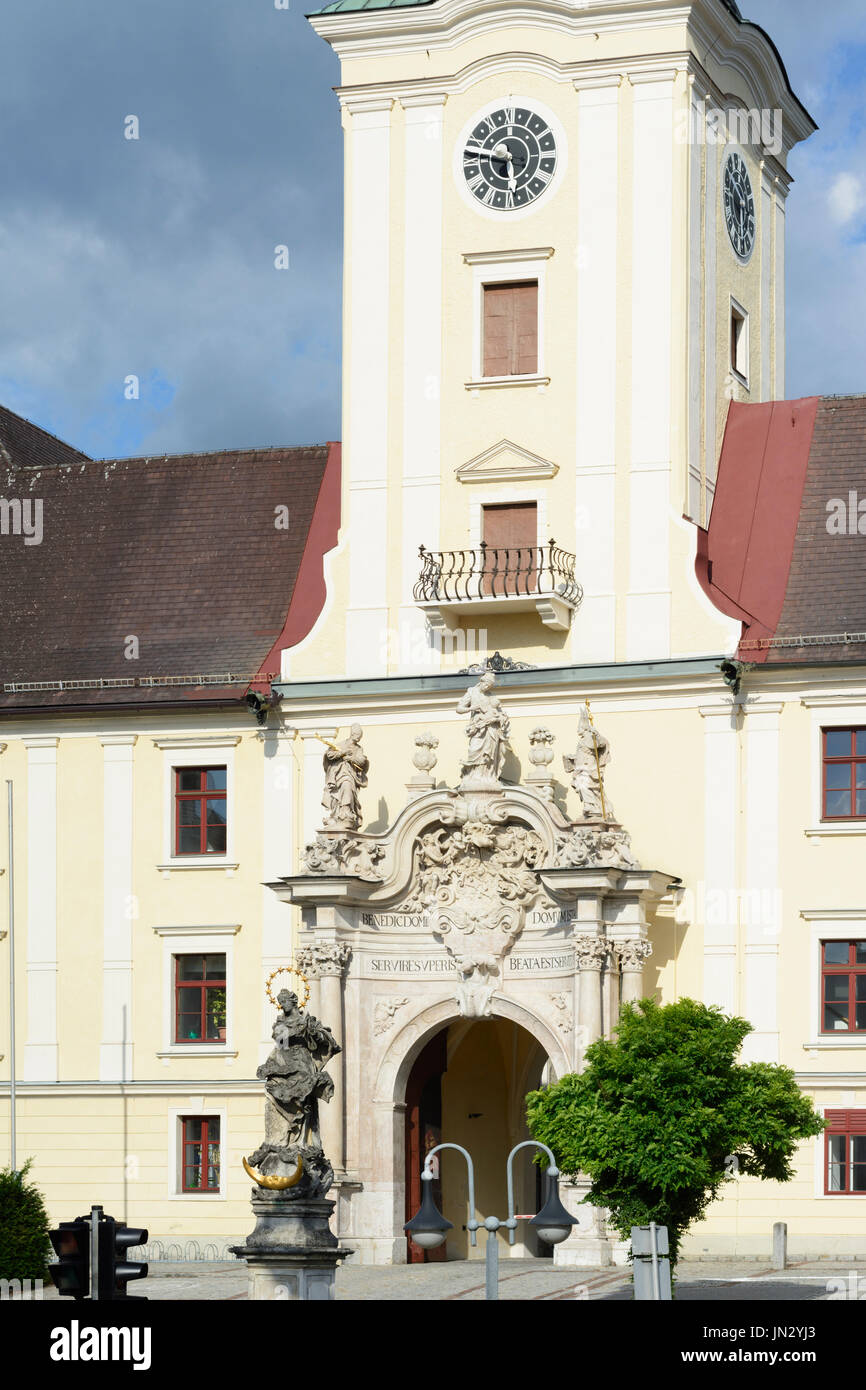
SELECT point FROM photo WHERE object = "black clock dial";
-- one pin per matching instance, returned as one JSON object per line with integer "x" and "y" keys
{"x": 739, "y": 206}
{"x": 509, "y": 158}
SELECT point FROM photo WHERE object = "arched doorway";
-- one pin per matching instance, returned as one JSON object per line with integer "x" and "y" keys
{"x": 468, "y": 1086}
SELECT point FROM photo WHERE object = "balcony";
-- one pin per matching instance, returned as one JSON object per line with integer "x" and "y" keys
{"x": 464, "y": 583}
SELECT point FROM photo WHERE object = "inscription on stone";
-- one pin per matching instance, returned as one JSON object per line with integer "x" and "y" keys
{"x": 408, "y": 965}
{"x": 539, "y": 965}
{"x": 396, "y": 921}
{"x": 552, "y": 916}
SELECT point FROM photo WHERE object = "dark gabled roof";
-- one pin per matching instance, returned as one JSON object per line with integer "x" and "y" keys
{"x": 783, "y": 550}
{"x": 180, "y": 552}
{"x": 25, "y": 445}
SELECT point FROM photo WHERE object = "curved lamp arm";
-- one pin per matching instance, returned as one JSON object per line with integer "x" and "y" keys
{"x": 551, "y": 1171}
{"x": 427, "y": 1176}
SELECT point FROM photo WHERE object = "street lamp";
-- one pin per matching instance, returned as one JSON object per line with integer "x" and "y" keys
{"x": 429, "y": 1227}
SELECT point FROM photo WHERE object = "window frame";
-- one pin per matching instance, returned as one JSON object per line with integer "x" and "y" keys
{"x": 201, "y": 751}
{"x": 202, "y": 986}
{"x": 498, "y": 268}
{"x": 198, "y": 1107}
{"x": 739, "y": 351}
{"x": 204, "y": 1163}
{"x": 852, "y": 1124}
{"x": 195, "y": 941}
{"x": 202, "y": 795}
{"x": 488, "y": 290}
{"x": 851, "y": 760}
{"x": 853, "y": 971}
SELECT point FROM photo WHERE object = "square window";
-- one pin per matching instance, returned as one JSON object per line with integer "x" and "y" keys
{"x": 844, "y": 774}
{"x": 200, "y": 1153}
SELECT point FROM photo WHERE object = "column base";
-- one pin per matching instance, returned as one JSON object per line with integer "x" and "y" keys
{"x": 589, "y": 1246}
{"x": 292, "y": 1254}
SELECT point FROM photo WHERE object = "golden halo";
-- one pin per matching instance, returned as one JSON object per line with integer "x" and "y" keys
{"x": 288, "y": 970}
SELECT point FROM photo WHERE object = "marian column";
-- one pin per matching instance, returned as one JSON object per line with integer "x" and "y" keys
{"x": 326, "y": 962}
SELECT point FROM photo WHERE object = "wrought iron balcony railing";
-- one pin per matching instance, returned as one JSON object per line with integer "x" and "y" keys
{"x": 487, "y": 571}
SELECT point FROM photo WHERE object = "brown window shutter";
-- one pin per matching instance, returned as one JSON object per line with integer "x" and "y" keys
{"x": 511, "y": 557}
{"x": 510, "y": 329}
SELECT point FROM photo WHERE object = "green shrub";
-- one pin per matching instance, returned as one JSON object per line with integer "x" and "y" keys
{"x": 24, "y": 1244}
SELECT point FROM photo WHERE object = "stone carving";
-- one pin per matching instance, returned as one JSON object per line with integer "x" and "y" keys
{"x": 586, "y": 847}
{"x": 323, "y": 958}
{"x": 475, "y": 881}
{"x": 296, "y": 1081}
{"x": 591, "y": 952}
{"x": 632, "y": 954}
{"x": 564, "y": 1020}
{"x": 424, "y": 756}
{"x": 384, "y": 1013}
{"x": 586, "y": 766}
{"x": 496, "y": 663}
{"x": 345, "y": 767}
{"x": 344, "y": 854}
{"x": 487, "y": 730}
{"x": 541, "y": 748}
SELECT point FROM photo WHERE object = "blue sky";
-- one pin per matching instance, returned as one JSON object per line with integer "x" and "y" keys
{"x": 155, "y": 257}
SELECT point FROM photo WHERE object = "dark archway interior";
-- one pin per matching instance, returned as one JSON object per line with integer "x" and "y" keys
{"x": 467, "y": 1086}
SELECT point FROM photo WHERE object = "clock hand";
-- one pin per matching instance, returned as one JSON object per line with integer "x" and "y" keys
{"x": 512, "y": 181}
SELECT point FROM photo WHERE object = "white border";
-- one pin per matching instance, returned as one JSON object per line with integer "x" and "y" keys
{"x": 743, "y": 378}
{"x": 197, "y": 753}
{"x": 178, "y": 941}
{"x": 175, "y": 1152}
{"x": 847, "y": 714}
{"x": 506, "y": 268}
{"x": 832, "y": 925}
{"x": 515, "y": 214}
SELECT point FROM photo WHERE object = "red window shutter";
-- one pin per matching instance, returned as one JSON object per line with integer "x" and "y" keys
{"x": 511, "y": 329}
{"x": 847, "y": 1121}
{"x": 511, "y": 557}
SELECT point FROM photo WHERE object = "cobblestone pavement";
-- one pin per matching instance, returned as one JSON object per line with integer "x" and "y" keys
{"x": 533, "y": 1280}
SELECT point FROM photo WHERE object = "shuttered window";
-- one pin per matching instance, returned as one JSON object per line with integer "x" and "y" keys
{"x": 511, "y": 329}
{"x": 511, "y": 556}
{"x": 845, "y": 1141}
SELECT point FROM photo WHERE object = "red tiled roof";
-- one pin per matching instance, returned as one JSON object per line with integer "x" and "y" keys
{"x": 181, "y": 552}
{"x": 770, "y": 555}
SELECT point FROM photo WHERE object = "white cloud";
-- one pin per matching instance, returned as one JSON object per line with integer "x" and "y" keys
{"x": 846, "y": 198}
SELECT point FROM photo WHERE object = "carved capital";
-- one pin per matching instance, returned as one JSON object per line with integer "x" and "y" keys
{"x": 324, "y": 958}
{"x": 632, "y": 954}
{"x": 591, "y": 952}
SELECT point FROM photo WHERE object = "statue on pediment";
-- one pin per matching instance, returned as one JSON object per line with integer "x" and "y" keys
{"x": 345, "y": 767}
{"x": 586, "y": 766}
{"x": 487, "y": 730}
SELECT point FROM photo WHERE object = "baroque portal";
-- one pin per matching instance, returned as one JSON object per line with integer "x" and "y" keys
{"x": 483, "y": 900}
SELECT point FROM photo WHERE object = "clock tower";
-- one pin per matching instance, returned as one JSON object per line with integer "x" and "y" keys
{"x": 564, "y": 256}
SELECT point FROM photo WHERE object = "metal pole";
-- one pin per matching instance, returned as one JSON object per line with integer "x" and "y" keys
{"x": 654, "y": 1250}
{"x": 492, "y": 1260}
{"x": 11, "y": 872}
{"x": 95, "y": 1214}
{"x": 550, "y": 1171}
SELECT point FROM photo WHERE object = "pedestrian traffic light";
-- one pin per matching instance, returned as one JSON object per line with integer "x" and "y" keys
{"x": 114, "y": 1270}
{"x": 71, "y": 1271}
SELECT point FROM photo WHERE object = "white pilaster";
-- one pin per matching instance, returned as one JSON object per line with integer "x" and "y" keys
{"x": 118, "y": 908}
{"x": 593, "y": 632}
{"x": 40, "y": 1061}
{"x": 366, "y": 381}
{"x": 313, "y": 774}
{"x": 762, "y": 904}
{"x": 695, "y": 385}
{"x": 779, "y": 286}
{"x": 278, "y": 813}
{"x": 767, "y": 212}
{"x": 648, "y": 602}
{"x": 711, "y": 290}
{"x": 718, "y": 901}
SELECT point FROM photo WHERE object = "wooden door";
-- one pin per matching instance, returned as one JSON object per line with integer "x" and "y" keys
{"x": 423, "y": 1132}
{"x": 510, "y": 534}
{"x": 511, "y": 329}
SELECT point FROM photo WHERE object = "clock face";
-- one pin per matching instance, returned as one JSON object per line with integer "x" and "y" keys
{"x": 509, "y": 157}
{"x": 739, "y": 206}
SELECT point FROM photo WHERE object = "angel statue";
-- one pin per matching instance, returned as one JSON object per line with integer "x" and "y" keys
{"x": 295, "y": 1081}
{"x": 346, "y": 767}
{"x": 487, "y": 730}
{"x": 586, "y": 766}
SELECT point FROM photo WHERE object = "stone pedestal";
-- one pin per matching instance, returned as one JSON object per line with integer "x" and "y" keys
{"x": 588, "y": 1246}
{"x": 292, "y": 1254}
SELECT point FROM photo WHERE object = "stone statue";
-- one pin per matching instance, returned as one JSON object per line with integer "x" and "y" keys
{"x": 296, "y": 1081}
{"x": 586, "y": 766}
{"x": 346, "y": 767}
{"x": 487, "y": 730}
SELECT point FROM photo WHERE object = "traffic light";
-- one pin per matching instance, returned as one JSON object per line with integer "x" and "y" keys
{"x": 114, "y": 1271}
{"x": 71, "y": 1271}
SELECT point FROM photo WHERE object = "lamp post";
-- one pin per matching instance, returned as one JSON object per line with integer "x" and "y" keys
{"x": 553, "y": 1223}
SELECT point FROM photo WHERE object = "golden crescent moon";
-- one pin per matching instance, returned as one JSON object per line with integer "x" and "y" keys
{"x": 272, "y": 1181}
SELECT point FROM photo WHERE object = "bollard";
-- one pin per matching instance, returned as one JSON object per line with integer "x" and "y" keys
{"x": 780, "y": 1245}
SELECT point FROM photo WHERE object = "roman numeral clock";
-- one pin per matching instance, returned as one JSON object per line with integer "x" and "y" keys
{"x": 739, "y": 206}
{"x": 510, "y": 155}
